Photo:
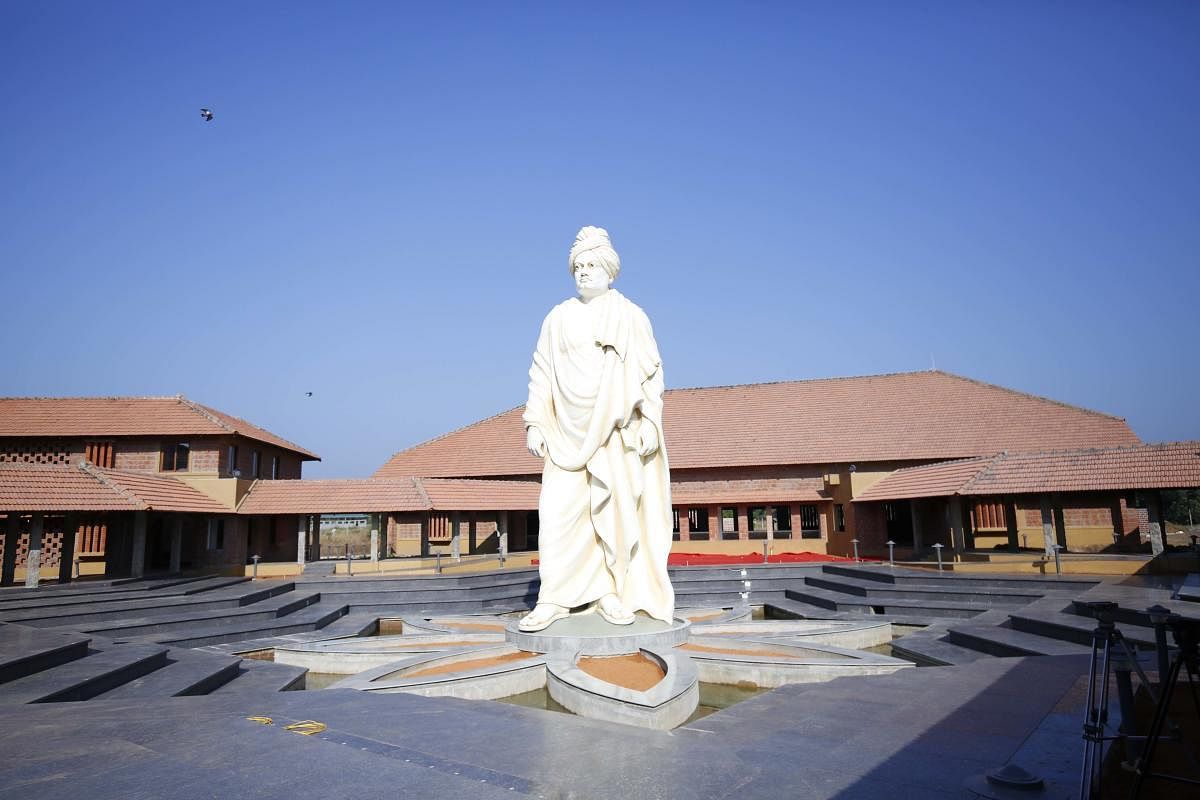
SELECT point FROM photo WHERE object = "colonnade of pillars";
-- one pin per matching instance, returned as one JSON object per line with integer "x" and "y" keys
{"x": 33, "y": 556}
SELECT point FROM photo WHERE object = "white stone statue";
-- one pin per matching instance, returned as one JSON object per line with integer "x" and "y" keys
{"x": 594, "y": 415}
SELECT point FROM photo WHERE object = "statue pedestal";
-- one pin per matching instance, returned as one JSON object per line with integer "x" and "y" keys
{"x": 589, "y": 634}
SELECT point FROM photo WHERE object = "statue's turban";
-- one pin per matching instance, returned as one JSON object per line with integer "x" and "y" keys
{"x": 595, "y": 241}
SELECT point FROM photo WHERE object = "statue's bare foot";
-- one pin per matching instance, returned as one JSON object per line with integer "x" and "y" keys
{"x": 611, "y": 609}
{"x": 541, "y": 616}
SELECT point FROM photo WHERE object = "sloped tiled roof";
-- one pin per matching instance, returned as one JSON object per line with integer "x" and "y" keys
{"x": 333, "y": 496}
{"x": 388, "y": 494}
{"x": 932, "y": 480}
{"x": 1174, "y": 465}
{"x": 82, "y": 487}
{"x": 449, "y": 494}
{"x": 127, "y": 416}
{"x": 767, "y": 490}
{"x": 905, "y": 416}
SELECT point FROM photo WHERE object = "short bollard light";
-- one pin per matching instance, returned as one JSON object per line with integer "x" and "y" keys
{"x": 255, "y": 559}
{"x": 891, "y": 553}
{"x": 855, "y": 543}
{"x": 938, "y": 549}
{"x": 437, "y": 566}
{"x": 1057, "y": 559}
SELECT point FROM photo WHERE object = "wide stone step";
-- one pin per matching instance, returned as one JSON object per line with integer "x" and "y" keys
{"x": 255, "y": 678}
{"x": 76, "y": 614}
{"x": 787, "y": 608}
{"x": 1009, "y": 642}
{"x": 309, "y": 619}
{"x": 929, "y": 647}
{"x": 186, "y": 619}
{"x": 1072, "y": 628}
{"x": 915, "y": 608}
{"x": 86, "y": 677}
{"x": 25, "y": 651}
{"x": 901, "y": 576}
{"x": 187, "y": 672}
{"x": 875, "y": 589}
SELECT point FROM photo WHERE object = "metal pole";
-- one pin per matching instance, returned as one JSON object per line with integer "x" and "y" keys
{"x": 1057, "y": 560}
{"x": 437, "y": 567}
{"x": 891, "y": 553}
{"x": 1158, "y": 618}
{"x": 938, "y": 548}
{"x": 255, "y": 559}
{"x": 855, "y": 543}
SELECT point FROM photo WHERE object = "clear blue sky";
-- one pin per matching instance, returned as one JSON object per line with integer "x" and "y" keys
{"x": 381, "y": 209}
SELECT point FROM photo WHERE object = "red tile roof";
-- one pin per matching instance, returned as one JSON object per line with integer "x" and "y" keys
{"x": 82, "y": 487}
{"x": 127, "y": 416}
{"x": 387, "y": 494}
{"x": 449, "y": 494}
{"x": 906, "y": 416}
{"x": 769, "y": 490}
{"x": 333, "y": 496}
{"x": 1174, "y": 465}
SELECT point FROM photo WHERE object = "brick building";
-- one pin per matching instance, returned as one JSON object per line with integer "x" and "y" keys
{"x": 916, "y": 458}
{"x": 160, "y": 482}
{"x": 792, "y": 460}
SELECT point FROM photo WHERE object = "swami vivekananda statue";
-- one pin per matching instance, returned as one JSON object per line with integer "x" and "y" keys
{"x": 594, "y": 415}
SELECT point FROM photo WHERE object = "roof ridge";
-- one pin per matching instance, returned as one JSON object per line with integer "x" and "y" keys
{"x": 204, "y": 412}
{"x": 451, "y": 433}
{"x": 1029, "y": 395}
{"x": 420, "y": 487}
{"x": 802, "y": 380}
{"x": 987, "y": 470}
{"x": 98, "y": 474}
{"x": 1110, "y": 449}
{"x": 96, "y": 397}
{"x": 211, "y": 414}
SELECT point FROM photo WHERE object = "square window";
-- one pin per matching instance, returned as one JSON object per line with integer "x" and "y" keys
{"x": 175, "y": 456}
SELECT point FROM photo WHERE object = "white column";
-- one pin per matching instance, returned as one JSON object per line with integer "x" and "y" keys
{"x": 33, "y": 558}
{"x": 137, "y": 561}
{"x": 456, "y": 535}
{"x": 502, "y": 532}
{"x": 1047, "y": 525}
{"x": 301, "y": 539}
{"x": 958, "y": 536}
{"x": 1158, "y": 525}
{"x": 374, "y": 545}
{"x": 176, "y": 543}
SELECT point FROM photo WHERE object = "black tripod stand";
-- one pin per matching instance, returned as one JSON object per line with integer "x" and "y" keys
{"x": 1187, "y": 639}
{"x": 1107, "y": 640}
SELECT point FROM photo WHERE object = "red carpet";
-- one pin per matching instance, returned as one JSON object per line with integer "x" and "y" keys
{"x": 715, "y": 559}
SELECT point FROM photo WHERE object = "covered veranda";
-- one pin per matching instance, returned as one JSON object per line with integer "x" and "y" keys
{"x": 61, "y": 522}
{"x": 1105, "y": 500}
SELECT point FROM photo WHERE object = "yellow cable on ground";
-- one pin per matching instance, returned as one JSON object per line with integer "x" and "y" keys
{"x": 306, "y": 727}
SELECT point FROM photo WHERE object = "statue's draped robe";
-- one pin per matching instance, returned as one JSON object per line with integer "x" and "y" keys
{"x": 604, "y": 512}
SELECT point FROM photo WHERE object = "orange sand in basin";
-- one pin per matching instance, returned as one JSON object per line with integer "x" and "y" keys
{"x": 699, "y": 648}
{"x": 437, "y": 644}
{"x": 633, "y": 671}
{"x": 464, "y": 666}
{"x": 700, "y": 617}
{"x": 471, "y": 626}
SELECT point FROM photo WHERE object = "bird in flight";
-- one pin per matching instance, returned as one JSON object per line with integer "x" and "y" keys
{"x": 308, "y": 394}
{"x": 207, "y": 114}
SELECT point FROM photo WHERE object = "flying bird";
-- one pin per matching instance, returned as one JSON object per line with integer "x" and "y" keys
{"x": 308, "y": 394}
{"x": 207, "y": 114}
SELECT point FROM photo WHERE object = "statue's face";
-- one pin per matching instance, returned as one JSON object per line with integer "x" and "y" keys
{"x": 591, "y": 279}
